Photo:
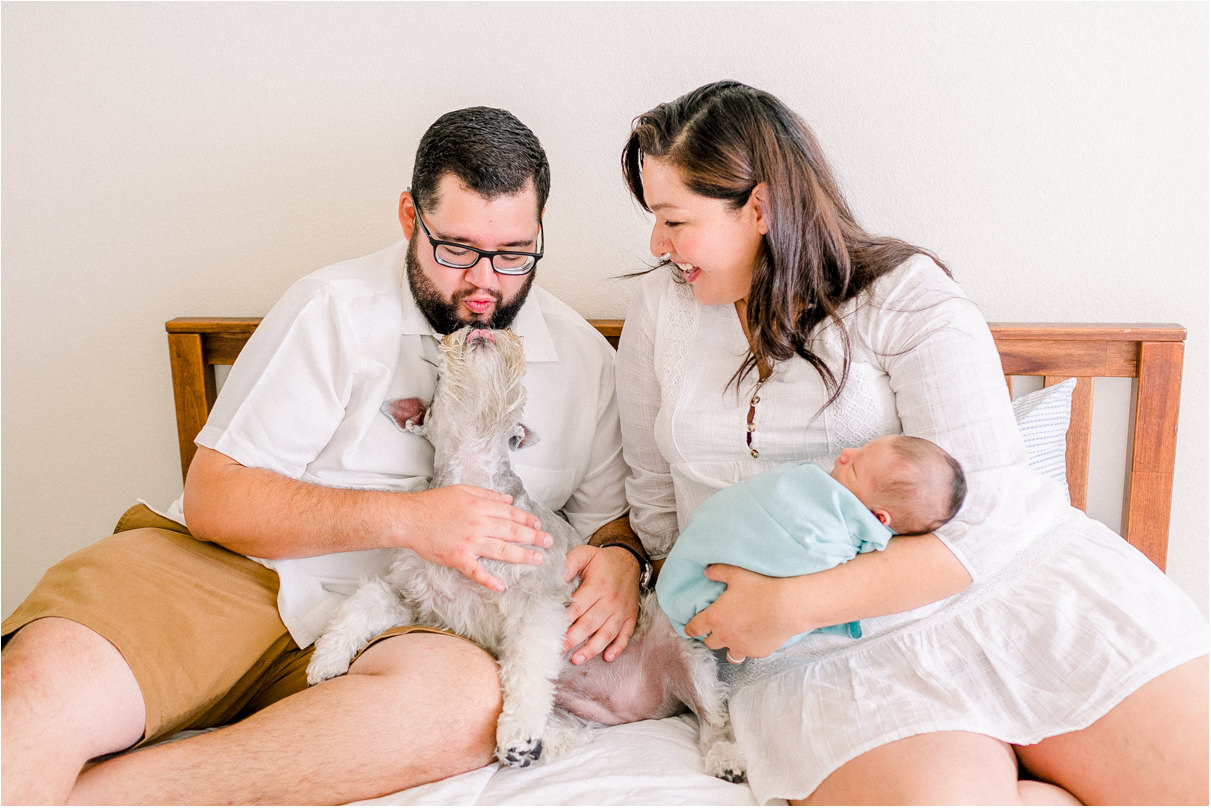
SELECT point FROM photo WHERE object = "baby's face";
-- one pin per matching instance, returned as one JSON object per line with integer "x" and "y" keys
{"x": 859, "y": 469}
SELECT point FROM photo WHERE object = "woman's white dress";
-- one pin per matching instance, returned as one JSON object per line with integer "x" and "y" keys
{"x": 1064, "y": 618}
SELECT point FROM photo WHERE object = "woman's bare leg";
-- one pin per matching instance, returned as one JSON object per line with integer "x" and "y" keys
{"x": 1151, "y": 749}
{"x": 937, "y": 768}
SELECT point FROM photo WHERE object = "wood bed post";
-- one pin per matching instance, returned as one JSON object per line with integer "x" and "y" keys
{"x": 195, "y": 346}
{"x": 1153, "y": 448}
{"x": 193, "y": 390}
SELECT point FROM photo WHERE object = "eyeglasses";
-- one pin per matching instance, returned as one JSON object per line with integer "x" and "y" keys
{"x": 464, "y": 256}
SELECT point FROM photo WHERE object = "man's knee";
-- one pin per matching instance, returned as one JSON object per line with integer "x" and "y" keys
{"x": 439, "y": 679}
{"x": 67, "y": 680}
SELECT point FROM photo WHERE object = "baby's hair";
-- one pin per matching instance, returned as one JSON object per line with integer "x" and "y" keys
{"x": 924, "y": 463}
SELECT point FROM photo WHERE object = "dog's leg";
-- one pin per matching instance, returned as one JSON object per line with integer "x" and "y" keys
{"x": 531, "y": 654}
{"x": 699, "y": 689}
{"x": 707, "y": 697}
{"x": 375, "y": 607}
{"x": 564, "y": 733}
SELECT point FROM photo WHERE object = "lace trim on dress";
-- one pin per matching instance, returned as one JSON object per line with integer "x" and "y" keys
{"x": 679, "y": 327}
{"x": 848, "y": 419}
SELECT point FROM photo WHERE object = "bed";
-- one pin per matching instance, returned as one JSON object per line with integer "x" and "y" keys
{"x": 657, "y": 762}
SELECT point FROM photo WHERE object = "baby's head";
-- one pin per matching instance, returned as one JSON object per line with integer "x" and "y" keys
{"x": 911, "y": 484}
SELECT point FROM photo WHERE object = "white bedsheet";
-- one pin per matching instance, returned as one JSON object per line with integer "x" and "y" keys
{"x": 645, "y": 763}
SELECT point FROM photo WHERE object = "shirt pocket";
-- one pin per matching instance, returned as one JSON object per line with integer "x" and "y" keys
{"x": 550, "y": 486}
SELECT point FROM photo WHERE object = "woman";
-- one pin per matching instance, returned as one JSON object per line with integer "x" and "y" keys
{"x": 1020, "y": 632}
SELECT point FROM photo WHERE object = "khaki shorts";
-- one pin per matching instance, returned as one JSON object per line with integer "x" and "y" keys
{"x": 197, "y": 624}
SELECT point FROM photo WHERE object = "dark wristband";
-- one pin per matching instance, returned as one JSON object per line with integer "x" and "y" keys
{"x": 645, "y": 566}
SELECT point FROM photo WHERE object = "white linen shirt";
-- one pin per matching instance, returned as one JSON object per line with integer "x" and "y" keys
{"x": 303, "y": 400}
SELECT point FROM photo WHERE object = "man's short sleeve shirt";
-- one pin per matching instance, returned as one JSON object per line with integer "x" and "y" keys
{"x": 303, "y": 400}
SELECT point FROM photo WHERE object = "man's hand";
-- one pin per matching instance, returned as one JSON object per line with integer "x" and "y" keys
{"x": 262, "y": 513}
{"x": 459, "y": 525}
{"x": 605, "y": 607}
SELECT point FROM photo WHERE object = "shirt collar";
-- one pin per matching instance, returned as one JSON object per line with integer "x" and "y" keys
{"x": 531, "y": 326}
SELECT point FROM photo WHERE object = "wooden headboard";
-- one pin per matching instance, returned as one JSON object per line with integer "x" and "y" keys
{"x": 1148, "y": 353}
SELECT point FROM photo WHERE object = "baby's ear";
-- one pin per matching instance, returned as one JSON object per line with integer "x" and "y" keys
{"x": 882, "y": 515}
{"x": 522, "y": 437}
{"x": 406, "y": 413}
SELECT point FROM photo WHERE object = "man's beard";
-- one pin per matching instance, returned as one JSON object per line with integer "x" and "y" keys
{"x": 443, "y": 314}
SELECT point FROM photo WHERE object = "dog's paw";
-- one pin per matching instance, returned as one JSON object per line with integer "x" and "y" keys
{"x": 563, "y": 734}
{"x": 725, "y": 761}
{"x": 326, "y": 663}
{"x": 520, "y": 755}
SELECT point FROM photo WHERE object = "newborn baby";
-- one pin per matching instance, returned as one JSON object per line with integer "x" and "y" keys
{"x": 796, "y": 519}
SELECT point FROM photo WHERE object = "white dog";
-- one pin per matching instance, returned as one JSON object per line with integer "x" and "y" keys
{"x": 473, "y": 423}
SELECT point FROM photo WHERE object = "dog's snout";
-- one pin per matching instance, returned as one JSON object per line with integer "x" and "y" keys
{"x": 481, "y": 335}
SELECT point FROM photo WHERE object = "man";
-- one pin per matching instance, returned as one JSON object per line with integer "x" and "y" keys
{"x": 300, "y": 487}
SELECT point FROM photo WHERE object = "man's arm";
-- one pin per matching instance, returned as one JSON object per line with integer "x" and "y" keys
{"x": 264, "y": 514}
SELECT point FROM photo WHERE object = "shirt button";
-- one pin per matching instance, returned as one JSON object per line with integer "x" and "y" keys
{"x": 754, "y": 453}
{"x": 755, "y": 400}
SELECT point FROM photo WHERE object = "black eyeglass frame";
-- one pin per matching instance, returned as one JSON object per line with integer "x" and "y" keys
{"x": 482, "y": 254}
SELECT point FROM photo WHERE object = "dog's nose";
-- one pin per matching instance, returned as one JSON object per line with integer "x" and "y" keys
{"x": 481, "y": 334}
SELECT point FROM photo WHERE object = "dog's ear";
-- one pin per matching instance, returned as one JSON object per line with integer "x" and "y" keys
{"x": 522, "y": 437}
{"x": 406, "y": 413}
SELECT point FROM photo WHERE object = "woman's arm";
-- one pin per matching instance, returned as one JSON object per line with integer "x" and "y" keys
{"x": 264, "y": 514}
{"x": 756, "y": 614}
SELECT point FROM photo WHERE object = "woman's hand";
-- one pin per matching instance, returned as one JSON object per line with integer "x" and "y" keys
{"x": 751, "y": 618}
{"x": 605, "y": 607}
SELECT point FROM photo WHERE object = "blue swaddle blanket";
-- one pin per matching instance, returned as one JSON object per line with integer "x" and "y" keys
{"x": 790, "y": 520}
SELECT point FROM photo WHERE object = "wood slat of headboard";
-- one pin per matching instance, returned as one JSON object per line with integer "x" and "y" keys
{"x": 1080, "y": 431}
{"x": 1148, "y": 353}
{"x": 1153, "y": 449}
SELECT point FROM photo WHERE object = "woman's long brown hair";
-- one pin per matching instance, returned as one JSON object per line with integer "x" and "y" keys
{"x": 725, "y": 138}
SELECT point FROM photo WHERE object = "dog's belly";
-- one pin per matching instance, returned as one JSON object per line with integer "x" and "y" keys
{"x": 444, "y": 598}
{"x": 640, "y": 683}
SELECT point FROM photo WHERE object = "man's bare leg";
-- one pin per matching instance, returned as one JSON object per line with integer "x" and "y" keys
{"x": 413, "y": 709}
{"x": 68, "y": 696}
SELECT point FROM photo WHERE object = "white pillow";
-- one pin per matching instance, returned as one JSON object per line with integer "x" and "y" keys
{"x": 1043, "y": 417}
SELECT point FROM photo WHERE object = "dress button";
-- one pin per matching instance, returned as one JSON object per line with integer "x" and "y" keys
{"x": 755, "y": 400}
{"x": 754, "y": 452}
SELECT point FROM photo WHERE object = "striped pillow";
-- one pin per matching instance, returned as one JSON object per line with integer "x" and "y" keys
{"x": 1043, "y": 421}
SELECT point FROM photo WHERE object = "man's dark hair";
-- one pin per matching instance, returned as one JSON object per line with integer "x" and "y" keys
{"x": 489, "y": 150}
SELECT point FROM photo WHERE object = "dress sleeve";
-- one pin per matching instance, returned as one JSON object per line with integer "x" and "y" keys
{"x": 650, "y": 487}
{"x": 600, "y": 496}
{"x": 945, "y": 372}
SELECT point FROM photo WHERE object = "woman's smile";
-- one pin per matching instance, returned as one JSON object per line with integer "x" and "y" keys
{"x": 688, "y": 271}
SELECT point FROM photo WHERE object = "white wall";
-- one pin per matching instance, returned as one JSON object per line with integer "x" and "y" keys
{"x": 162, "y": 160}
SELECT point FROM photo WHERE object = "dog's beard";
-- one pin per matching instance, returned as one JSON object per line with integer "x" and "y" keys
{"x": 443, "y": 314}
